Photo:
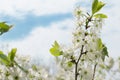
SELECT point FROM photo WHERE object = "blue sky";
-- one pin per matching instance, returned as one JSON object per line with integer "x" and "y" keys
{"x": 38, "y": 23}
{"x": 22, "y": 27}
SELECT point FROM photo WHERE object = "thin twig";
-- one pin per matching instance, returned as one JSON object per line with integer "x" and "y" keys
{"x": 94, "y": 71}
{"x": 76, "y": 73}
{"x": 76, "y": 63}
{"x": 80, "y": 54}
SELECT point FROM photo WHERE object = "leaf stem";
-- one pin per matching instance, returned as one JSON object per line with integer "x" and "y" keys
{"x": 20, "y": 67}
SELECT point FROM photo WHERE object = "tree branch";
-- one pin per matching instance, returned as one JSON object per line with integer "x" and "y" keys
{"x": 81, "y": 53}
{"x": 76, "y": 63}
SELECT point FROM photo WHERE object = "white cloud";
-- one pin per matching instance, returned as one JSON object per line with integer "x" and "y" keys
{"x": 38, "y": 7}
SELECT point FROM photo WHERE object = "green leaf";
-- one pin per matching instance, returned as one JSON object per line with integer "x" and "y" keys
{"x": 97, "y": 6}
{"x": 104, "y": 52}
{"x": 69, "y": 64}
{"x": 100, "y": 5}
{"x": 4, "y": 58}
{"x": 102, "y": 66}
{"x": 99, "y": 44}
{"x": 94, "y": 6}
{"x": 56, "y": 44}
{"x": 55, "y": 50}
{"x": 4, "y": 27}
{"x": 100, "y": 15}
{"x": 12, "y": 54}
{"x": 34, "y": 67}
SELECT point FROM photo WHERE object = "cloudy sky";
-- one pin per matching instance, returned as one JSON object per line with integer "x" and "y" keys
{"x": 38, "y": 23}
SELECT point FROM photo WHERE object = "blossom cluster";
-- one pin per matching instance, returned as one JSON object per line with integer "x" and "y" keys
{"x": 87, "y": 52}
{"x": 30, "y": 72}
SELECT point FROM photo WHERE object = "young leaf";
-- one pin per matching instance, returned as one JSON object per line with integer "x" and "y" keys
{"x": 94, "y": 6}
{"x": 55, "y": 50}
{"x": 4, "y": 58}
{"x": 34, "y": 67}
{"x": 97, "y": 6}
{"x": 69, "y": 64}
{"x": 104, "y": 52}
{"x": 11, "y": 55}
{"x": 56, "y": 44}
{"x": 100, "y": 15}
{"x": 100, "y": 5}
{"x": 99, "y": 44}
{"x": 4, "y": 27}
